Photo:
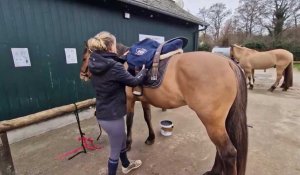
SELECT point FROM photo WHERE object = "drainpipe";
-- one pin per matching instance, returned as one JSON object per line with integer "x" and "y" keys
{"x": 203, "y": 28}
{"x": 196, "y": 35}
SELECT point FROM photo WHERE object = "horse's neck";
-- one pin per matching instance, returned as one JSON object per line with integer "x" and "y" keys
{"x": 249, "y": 52}
{"x": 239, "y": 54}
{"x": 244, "y": 52}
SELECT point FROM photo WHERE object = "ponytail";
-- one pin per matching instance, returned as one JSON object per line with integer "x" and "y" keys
{"x": 103, "y": 41}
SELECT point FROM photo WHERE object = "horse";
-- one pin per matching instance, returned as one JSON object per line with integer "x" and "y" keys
{"x": 251, "y": 59}
{"x": 214, "y": 87}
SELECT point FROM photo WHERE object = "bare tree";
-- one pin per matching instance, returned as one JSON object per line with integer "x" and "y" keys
{"x": 280, "y": 13}
{"x": 217, "y": 13}
{"x": 226, "y": 33}
{"x": 250, "y": 13}
{"x": 295, "y": 13}
{"x": 203, "y": 14}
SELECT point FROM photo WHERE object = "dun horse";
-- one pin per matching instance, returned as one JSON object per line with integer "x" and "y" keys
{"x": 250, "y": 59}
{"x": 215, "y": 88}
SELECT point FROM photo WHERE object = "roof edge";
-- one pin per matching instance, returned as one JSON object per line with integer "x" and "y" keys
{"x": 145, "y": 6}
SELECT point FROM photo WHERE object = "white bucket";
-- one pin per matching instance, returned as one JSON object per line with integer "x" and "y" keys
{"x": 225, "y": 51}
{"x": 166, "y": 127}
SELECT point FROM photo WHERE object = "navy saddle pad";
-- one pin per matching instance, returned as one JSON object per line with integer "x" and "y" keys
{"x": 143, "y": 52}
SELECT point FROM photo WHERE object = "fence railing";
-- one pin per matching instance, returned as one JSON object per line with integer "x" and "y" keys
{"x": 296, "y": 55}
{"x": 6, "y": 165}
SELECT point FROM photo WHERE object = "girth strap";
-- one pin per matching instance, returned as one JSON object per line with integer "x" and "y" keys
{"x": 154, "y": 70}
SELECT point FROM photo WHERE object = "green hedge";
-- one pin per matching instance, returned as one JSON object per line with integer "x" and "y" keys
{"x": 296, "y": 55}
{"x": 204, "y": 47}
{"x": 257, "y": 45}
{"x": 260, "y": 46}
{"x": 297, "y": 66}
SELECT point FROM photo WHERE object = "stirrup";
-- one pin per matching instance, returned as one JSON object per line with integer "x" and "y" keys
{"x": 137, "y": 91}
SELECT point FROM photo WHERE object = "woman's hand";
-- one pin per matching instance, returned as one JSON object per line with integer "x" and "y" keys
{"x": 126, "y": 53}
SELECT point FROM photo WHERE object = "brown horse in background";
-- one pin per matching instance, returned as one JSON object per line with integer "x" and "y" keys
{"x": 215, "y": 88}
{"x": 251, "y": 59}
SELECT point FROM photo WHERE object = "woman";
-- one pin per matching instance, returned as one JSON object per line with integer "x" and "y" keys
{"x": 109, "y": 80}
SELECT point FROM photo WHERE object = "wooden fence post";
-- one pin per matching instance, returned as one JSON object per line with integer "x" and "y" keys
{"x": 6, "y": 165}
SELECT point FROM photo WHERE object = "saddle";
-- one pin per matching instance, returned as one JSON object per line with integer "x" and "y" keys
{"x": 149, "y": 52}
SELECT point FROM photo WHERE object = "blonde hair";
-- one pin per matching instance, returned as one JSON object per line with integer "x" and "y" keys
{"x": 103, "y": 41}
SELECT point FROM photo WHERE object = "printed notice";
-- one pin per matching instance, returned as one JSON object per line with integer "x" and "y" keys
{"x": 21, "y": 57}
{"x": 71, "y": 56}
{"x": 159, "y": 39}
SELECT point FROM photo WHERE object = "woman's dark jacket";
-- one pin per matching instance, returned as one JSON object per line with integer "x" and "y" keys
{"x": 109, "y": 80}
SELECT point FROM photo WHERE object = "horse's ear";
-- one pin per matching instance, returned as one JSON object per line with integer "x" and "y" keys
{"x": 233, "y": 45}
{"x": 121, "y": 49}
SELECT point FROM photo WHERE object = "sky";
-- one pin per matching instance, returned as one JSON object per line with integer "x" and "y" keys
{"x": 194, "y": 5}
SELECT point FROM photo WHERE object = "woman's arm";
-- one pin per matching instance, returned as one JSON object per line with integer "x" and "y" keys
{"x": 126, "y": 78}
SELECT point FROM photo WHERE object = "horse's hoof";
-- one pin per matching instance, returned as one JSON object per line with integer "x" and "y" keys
{"x": 149, "y": 141}
{"x": 251, "y": 87}
{"x": 284, "y": 89}
{"x": 211, "y": 173}
{"x": 271, "y": 89}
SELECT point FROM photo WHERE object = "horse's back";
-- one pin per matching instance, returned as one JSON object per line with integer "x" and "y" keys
{"x": 207, "y": 77}
{"x": 258, "y": 60}
{"x": 282, "y": 55}
{"x": 194, "y": 76}
{"x": 204, "y": 59}
{"x": 267, "y": 59}
{"x": 204, "y": 64}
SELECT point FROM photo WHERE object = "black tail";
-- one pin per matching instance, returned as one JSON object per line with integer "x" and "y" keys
{"x": 288, "y": 76}
{"x": 236, "y": 122}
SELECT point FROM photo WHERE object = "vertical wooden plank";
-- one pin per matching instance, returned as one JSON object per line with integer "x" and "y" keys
{"x": 6, "y": 165}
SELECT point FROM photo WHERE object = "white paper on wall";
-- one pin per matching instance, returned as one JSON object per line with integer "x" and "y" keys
{"x": 21, "y": 57}
{"x": 71, "y": 56}
{"x": 159, "y": 39}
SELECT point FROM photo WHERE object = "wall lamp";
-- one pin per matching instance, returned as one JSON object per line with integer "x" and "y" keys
{"x": 126, "y": 15}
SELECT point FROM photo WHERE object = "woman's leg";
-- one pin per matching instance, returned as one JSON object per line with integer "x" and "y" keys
{"x": 123, "y": 154}
{"x": 117, "y": 138}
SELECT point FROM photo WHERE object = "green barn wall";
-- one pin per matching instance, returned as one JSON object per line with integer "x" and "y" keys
{"x": 46, "y": 27}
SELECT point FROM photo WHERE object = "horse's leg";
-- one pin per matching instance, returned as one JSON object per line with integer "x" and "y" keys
{"x": 279, "y": 71}
{"x": 252, "y": 74}
{"x": 248, "y": 74}
{"x": 129, "y": 121}
{"x": 217, "y": 168}
{"x": 283, "y": 85}
{"x": 147, "y": 115}
{"x": 226, "y": 150}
